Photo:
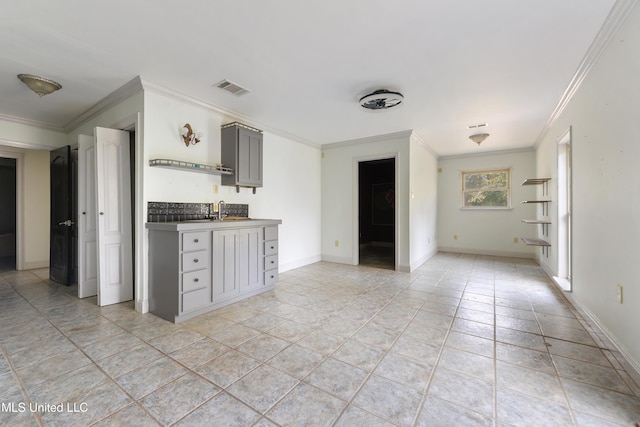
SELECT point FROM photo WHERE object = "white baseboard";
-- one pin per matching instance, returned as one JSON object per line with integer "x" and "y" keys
{"x": 298, "y": 263}
{"x": 337, "y": 259}
{"x": 142, "y": 306}
{"x": 32, "y": 265}
{"x": 417, "y": 263}
{"x": 509, "y": 254}
{"x": 631, "y": 366}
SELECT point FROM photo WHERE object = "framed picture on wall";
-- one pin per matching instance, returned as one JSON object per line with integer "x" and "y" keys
{"x": 383, "y": 204}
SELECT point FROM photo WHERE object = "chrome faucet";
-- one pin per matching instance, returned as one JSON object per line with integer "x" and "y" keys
{"x": 221, "y": 206}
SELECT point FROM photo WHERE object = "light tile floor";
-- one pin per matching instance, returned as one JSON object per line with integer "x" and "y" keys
{"x": 464, "y": 340}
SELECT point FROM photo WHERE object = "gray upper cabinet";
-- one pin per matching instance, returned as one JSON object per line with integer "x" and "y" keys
{"x": 242, "y": 151}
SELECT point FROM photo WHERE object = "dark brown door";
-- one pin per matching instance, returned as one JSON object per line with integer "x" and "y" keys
{"x": 60, "y": 268}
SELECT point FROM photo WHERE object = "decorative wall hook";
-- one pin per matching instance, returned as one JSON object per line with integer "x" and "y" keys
{"x": 189, "y": 136}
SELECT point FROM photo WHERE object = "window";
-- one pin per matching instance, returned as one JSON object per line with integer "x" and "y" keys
{"x": 486, "y": 189}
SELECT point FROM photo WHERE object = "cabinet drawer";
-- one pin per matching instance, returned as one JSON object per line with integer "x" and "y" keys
{"x": 271, "y": 233}
{"x": 270, "y": 277}
{"x": 195, "y": 280}
{"x": 271, "y": 247}
{"x": 195, "y": 261}
{"x": 195, "y": 241}
{"x": 196, "y": 299}
{"x": 271, "y": 262}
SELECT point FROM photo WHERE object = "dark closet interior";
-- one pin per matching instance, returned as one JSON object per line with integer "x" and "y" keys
{"x": 376, "y": 213}
{"x": 8, "y": 212}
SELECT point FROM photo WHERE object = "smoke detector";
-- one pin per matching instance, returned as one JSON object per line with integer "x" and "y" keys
{"x": 381, "y": 99}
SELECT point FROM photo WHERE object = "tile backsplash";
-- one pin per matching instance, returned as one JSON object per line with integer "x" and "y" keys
{"x": 176, "y": 211}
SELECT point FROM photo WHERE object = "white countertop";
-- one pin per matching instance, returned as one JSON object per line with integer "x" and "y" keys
{"x": 210, "y": 225}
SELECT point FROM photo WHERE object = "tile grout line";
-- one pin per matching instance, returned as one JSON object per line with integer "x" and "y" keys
{"x": 41, "y": 313}
{"x": 555, "y": 366}
{"x": 440, "y": 351}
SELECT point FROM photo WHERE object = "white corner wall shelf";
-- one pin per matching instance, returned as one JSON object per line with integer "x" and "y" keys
{"x": 544, "y": 222}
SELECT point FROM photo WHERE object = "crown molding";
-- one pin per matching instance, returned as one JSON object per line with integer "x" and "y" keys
{"x": 29, "y": 122}
{"x": 489, "y": 153}
{"x": 424, "y": 144}
{"x": 367, "y": 140}
{"x": 123, "y": 92}
{"x": 25, "y": 145}
{"x": 616, "y": 18}
{"x": 232, "y": 115}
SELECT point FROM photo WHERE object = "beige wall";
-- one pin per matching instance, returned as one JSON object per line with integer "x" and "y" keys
{"x": 32, "y": 220}
{"x": 35, "y": 202}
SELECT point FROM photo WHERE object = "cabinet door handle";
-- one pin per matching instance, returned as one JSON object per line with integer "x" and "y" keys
{"x": 273, "y": 262}
{"x": 195, "y": 240}
{"x": 273, "y": 247}
{"x": 196, "y": 260}
{"x": 196, "y": 280}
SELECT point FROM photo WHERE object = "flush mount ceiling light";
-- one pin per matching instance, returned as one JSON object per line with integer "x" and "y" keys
{"x": 381, "y": 99}
{"x": 479, "y": 137}
{"x": 39, "y": 85}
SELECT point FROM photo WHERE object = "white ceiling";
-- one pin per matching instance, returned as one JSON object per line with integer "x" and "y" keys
{"x": 458, "y": 62}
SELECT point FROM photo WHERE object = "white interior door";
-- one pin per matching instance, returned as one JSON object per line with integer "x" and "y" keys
{"x": 87, "y": 218}
{"x": 115, "y": 262}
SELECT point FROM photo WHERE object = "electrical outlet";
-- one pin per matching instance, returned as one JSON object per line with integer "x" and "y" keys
{"x": 515, "y": 240}
{"x": 337, "y": 243}
{"x": 620, "y": 294}
{"x": 215, "y": 188}
{"x": 455, "y": 237}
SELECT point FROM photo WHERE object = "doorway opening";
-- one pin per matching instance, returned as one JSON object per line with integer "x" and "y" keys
{"x": 76, "y": 256}
{"x": 377, "y": 213}
{"x": 106, "y": 201}
{"x": 8, "y": 207}
{"x": 564, "y": 212}
{"x": 61, "y": 216}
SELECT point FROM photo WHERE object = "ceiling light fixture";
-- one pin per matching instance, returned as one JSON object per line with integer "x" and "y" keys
{"x": 479, "y": 137}
{"x": 381, "y": 99}
{"x": 39, "y": 85}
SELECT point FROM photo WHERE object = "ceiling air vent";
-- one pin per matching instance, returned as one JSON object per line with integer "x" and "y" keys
{"x": 232, "y": 87}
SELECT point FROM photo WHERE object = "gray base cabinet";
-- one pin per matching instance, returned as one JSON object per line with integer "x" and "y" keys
{"x": 239, "y": 262}
{"x": 270, "y": 255}
{"x": 192, "y": 272}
